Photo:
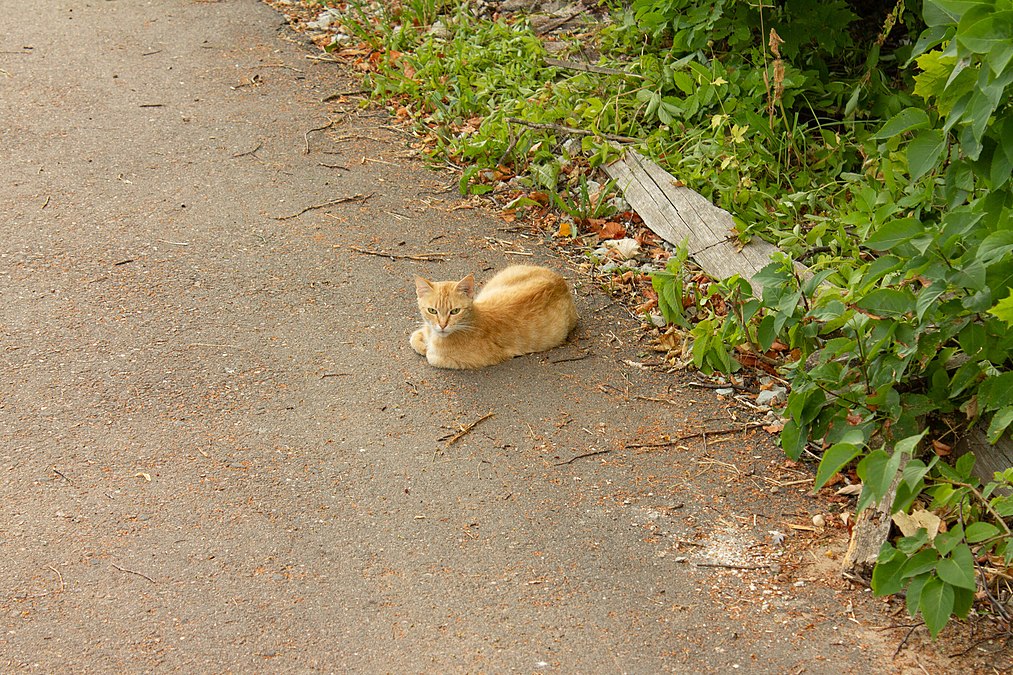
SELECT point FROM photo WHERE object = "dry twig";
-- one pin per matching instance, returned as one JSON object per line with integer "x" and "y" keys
{"x": 342, "y": 200}
{"x": 467, "y": 429}
{"x": 589, "y": 68}
{"x": 249, "y": 152}
{"x": 718, "y": 432}
{"x": 129, "y": 571}
{"x": 306, "y": 136}
{"x": 553, "y": 24}
{"x": 581, "y": 456}
{"x": 424, "y": 257}
{"x": 573, "y": 131}
{"x": 567, "y": 359}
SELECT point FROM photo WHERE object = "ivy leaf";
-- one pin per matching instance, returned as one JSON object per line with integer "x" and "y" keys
{"x": 992, "y": 29}
{"x": 939, "y": 12}
{"x": 1000, "y": 422}
{"x": 886, "y": 579}
{"x": 1003, "y": 309}
{"x": 895, "y": 232}
{"x": 958, "y": 569}
{"x": 888, "y": 302}
{"x": 793, "y": 439}
{"x": 936, "y": 604}
{"x": 914, "y": 593}
{"x": 906, "y": 120}
{"x": 765, "y": 334}
{"x": 995, "y": 247}
{"x": 996, "y": 392}
{"x": 1000, "y": 56}
{"x": 834, "y": 459}
{"x": 962, "y": 601}
{"x": 921, "y": 562}
{"x": 964, "y": 466}
{"x": 876, "y": 477}
{"x": 927, "y": 298}
{"x": 924, "y": 151}
{"x": 977, "y": 532}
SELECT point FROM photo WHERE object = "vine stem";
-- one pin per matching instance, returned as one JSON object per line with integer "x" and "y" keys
{"x": 981, "y": 498}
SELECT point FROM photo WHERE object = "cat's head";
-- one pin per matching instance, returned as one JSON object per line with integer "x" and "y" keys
{"x": 446, "y": 305}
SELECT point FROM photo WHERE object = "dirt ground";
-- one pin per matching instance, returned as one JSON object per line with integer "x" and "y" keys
{"x": 220, "y": 454}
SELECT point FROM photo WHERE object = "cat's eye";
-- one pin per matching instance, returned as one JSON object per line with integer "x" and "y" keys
{"x": 432, "y": 310}
{"x": 455, "y": 310}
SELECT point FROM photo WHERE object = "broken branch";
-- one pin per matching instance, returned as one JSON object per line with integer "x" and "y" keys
{"x": 306, "y": 136}
{"x": 129, "y": 571}
{"x": 425, "y": 257}
{"x": 354, "y": 198}
{"x": 467, "y": 429}
{"x": 586, "y": 454}
{"x": 570, "y": 130}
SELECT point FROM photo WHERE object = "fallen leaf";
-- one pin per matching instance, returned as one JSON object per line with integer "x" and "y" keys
{"x": 849, "y": 490}
{"x": 837, "y": 478}
{"x": 910, "y": 524}
{"x": 774, "y": 428}
{"x": 941, "y": 448}
{"x": 612, "y": 230}
{"x": 647, "y": 306}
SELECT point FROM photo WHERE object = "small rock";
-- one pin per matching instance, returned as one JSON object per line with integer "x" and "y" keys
{"x": 610, "y": 266}
{"x": 819, "y": 520}
{"x": 323, "y": 21}
{"x": 619, "y": 204}
{"x": 772, "y": 396}
{"x": 724, "y": 391}
{"x": 439, "y": 30}
{"x": 658, "y": 320}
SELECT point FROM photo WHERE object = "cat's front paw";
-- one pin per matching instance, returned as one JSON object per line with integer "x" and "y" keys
{"x": 418, "y": 341}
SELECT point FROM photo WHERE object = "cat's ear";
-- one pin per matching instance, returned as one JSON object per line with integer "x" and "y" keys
{"x": 422, "y": 286}
{"x": 466, "y": 286}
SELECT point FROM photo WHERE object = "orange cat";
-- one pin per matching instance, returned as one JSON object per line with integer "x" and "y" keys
{"x": 522, "y": 309}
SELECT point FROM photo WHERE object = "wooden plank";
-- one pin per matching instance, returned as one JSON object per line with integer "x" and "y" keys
{"x": 988, "y": 458}
{"x": 676, "y": 214}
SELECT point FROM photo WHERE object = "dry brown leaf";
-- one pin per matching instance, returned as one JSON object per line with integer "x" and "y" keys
{"x": 910, "y": 524}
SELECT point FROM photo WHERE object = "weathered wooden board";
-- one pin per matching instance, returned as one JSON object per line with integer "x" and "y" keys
{"x": 676, "y": 214}
{"x": 988, "y": 458}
